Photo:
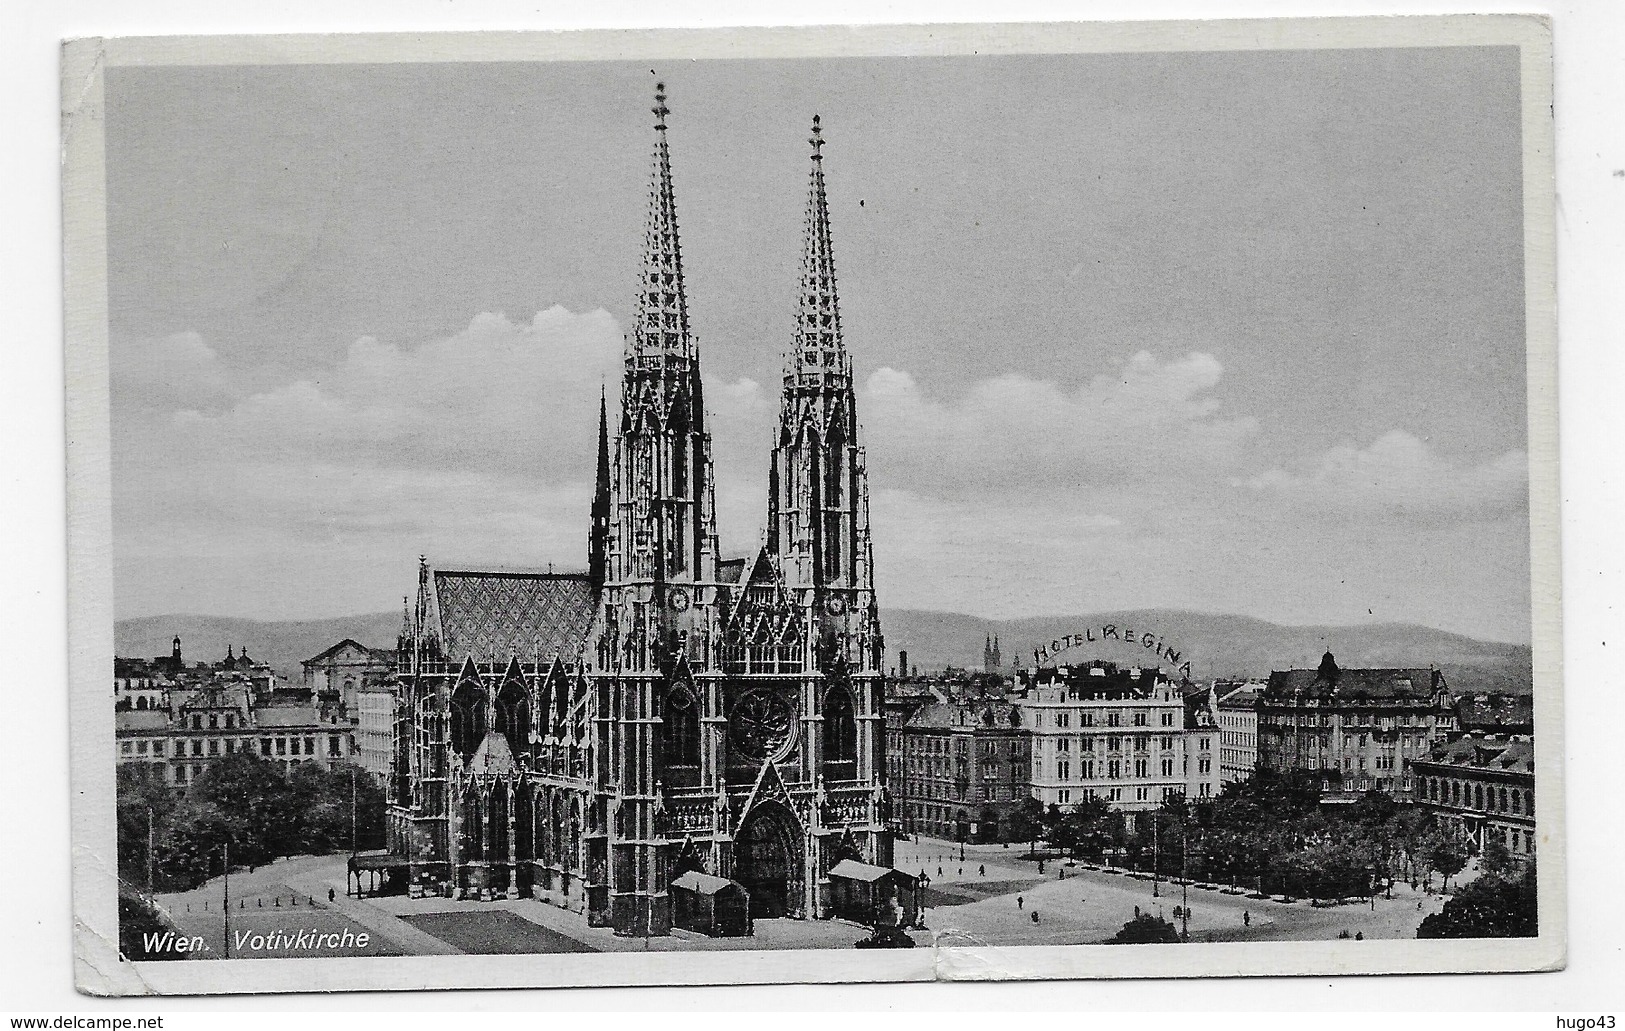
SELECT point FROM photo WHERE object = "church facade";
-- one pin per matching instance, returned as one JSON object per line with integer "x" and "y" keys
{"x": 588, "y": 738}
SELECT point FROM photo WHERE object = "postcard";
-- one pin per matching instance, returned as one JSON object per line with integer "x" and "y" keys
{"x": 819, "y": 504}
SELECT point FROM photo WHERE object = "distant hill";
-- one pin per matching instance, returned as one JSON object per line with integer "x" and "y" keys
{"x": 1214, "y": 644}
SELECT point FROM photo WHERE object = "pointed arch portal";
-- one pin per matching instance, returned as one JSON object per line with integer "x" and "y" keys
{"x": 768, "y": 861}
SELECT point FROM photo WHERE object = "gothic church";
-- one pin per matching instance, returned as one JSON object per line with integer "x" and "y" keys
{"x": 587, "y": 738}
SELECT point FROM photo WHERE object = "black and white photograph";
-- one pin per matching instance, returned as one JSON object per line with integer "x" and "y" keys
{"x": 997, "y": 501}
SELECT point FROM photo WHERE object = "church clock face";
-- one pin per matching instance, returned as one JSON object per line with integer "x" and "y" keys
{"x": 762, "y": 725}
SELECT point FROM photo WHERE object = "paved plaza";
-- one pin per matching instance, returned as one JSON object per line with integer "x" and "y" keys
{"x": 989, "y": 898}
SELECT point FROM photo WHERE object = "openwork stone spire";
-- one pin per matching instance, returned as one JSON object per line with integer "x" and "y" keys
{"x": 663, "y": 519}
{"x": 662, "y": 308}
{"x": 817, "y": 347}
{"x": 818, "y": 501}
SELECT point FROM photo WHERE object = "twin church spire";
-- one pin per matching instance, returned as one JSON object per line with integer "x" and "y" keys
{"x": 660, "y": 521}
{"x": 817, "y": 348}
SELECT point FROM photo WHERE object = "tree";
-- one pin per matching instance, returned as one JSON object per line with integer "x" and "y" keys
{"x": 1052, "y": 819}
{"x": 1496, "y": 861}
{"x": 1490, "y": 907}
{"x": 1372, "y": 809}
{"x": 144, "y": 804}
{"x": 1145, "y": 929}
{"x": 322, "y": 798}
{"x": 1082, "y": 826}
{"x": 1448, "y": 858}
{"x": 254, "y": 790}
{"x": 191, "y": 850}
{"x": 1027, "y": 822}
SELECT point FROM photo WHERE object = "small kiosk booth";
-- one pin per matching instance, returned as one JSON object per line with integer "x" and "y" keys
{"x": 710, "y": 905}
{"x": 875, "y": 896}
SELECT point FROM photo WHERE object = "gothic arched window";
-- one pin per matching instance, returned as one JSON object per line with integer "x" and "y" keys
{"x": 840, "y": 733}
{"x": 467, "y": 717}
{"x": 513, "y": 716}
{"x": 681, "y": 744}
{"x": 473, "y": 826}
{"x": 497, "y": 814}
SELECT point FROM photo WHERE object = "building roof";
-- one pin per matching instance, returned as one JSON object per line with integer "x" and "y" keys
{"x": 372, "y": 654}
{"x": 1096, "y": 680}
{"x": 216, "y": 695}
{"x": 732, "y": 570}
{"x": 1495, "y": 712}
{"x": 1330, "y": 682}
{"x": 1513, "y": 755}
{"x": 277, "y": 716}
{"x": 123, "y": 667}
{"x": 495, "y": 616}
{"x": 853, "y": 870}
{"x": 993, "y": 715}
{"x": 493, "y": 755}
{"x": 704, "y": 883}
{"x": 140, "y": 721}
{"x": 1243, "y": 696}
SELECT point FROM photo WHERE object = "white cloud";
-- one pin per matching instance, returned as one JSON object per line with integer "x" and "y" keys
{"x": 1400, "y": 474}
{"x": 1153, "y": 420}
{"x": 480, "y": 447}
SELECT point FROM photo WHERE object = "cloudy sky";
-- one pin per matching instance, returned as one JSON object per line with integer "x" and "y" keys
{"x": 1234, "y": 332}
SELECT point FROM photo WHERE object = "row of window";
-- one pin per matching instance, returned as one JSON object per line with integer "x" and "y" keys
{"x": 279, "y": 746}
{"x": 1146, "y": 794}
{"x": 991, "y": 792}
{"x": 1115, "y": 769}
{"x": 1063, "y": 719}
{"x": 1326, "y": 719}
{"x": 1119, "y": 743}
{"x": 1473, "y": 796}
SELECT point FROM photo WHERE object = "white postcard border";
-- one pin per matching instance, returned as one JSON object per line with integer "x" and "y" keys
{"x": 97, "y": 967}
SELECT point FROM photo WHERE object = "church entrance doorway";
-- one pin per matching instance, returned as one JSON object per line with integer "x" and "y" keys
{"x": 767, "y": 861}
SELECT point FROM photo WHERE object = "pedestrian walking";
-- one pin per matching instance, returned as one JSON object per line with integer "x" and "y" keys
{"x": 1021, "y": 902}
{"x": 981, "y": 871}
{"x": 1035, "y": 916}
{"x": 330, "y": 895}
{"x": 962, "y": 871}
{"x": 939, "y": 871}
{"x": 1246, "y": 918}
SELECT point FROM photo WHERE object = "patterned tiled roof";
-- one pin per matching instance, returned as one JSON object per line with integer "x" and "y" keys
{"x": 495, "y": 616}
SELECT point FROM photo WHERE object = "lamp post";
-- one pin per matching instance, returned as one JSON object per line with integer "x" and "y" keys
{"x": 1155, "y": 892}
{"x": 1184, "y": 884}
{"x": 225, "y": 861}
{"x": 149, "y": 853}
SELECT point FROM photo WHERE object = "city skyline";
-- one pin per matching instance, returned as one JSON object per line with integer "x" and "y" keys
{"x": 382, "y": 331}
